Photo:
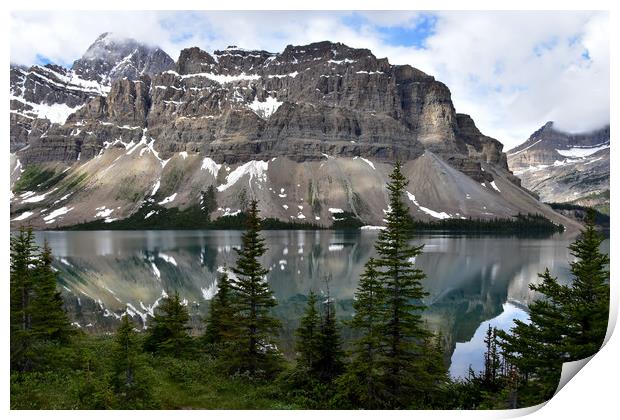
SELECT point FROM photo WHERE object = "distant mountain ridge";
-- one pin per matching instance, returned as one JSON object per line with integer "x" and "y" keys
{"x": 311, "y": 131}
{"x": 563, "y": 167}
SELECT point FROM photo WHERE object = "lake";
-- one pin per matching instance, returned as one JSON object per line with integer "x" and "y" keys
{"x": 471, "y": 280}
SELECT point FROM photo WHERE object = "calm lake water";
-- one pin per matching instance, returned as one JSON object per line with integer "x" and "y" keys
{"x": 472, "y": 281}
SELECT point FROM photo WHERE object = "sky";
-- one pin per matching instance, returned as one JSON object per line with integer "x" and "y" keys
{"x": 511, "y": 71}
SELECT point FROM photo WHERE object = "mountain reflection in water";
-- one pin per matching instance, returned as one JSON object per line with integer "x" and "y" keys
{"x": 470, "y": 279}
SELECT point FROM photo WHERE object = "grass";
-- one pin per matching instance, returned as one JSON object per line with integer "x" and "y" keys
{"x": 37, "y": 178}
{"x": 77, "y": 377}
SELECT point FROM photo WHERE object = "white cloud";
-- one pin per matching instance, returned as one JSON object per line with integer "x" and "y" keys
{"x": 487, "y": 59}
{"x": 489, "y": 62}
{"x": 63, "y": 36}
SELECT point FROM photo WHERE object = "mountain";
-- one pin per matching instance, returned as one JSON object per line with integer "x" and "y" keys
{"x": 43, "y": 95}
{"x": 310, "y": 132}
{"x": 565, "y": 168}
{"x": 111, "y": 58}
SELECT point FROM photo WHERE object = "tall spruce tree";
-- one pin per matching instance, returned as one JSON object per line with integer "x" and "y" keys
{"x": 362, "y": 380}
{"x": 23, "y": 254}
{"x": 588, "y": 307}
{"x": 255, "y": 352}
{"x": 37, "y": 313}
{"x": 404, "y": 332}
{"x": 49, "y": 319}
{"x": 567, "y": 323}
{"x": 130, "y": 388}
{"x": 221, "y": 327}
{"x": 534, "y": 348}
{"x": 308, "y": 344}
{"x": 168, "y": 332}
{"x": 329, "y": 363}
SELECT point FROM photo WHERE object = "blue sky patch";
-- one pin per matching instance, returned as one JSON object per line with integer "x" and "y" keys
{"x": 548, "y": 45}
{"x": 43, "y": 60}
{"x": 414, "y": 36}
{"x": 410, "y": 35}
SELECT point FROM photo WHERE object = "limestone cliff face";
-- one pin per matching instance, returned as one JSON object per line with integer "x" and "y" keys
{"x": 43, "y": 95}
{"x": 565, "y": 167}
{"x": 323, "y": 98}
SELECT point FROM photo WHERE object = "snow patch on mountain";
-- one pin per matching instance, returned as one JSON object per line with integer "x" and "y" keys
{"x": 103, "y": 212}
{"x": 372, "y": 165}
{"x": 266, "y": 108}
{"x": 433, "y": 213}
{"x": 24, "y": 215}
{"x": 50, "y": 218}
{"x": 254, "y": 169}
{"x": 155, "y": 187}
{"x": 210, "y": 165}
{"x": 38, "y": 198}
{"x": 219, "y": 78}
{"x": 582, "y": 151}
{"x": 523, "y": 150}
{"x": 56, "y": 113}
{"x": 168, "y": 199}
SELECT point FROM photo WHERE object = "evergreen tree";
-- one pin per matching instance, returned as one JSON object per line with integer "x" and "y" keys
{"x": 131, "y": 390}
{"x": 255, "y": 351}
{"x": 568, "y": 323}
{"x": 37, "y": 313}
{"x": 588, "y": 307}
{"x": 404, "y": 333}
{"x": 209, "y": 201}
{"x": 23, "y": 256}
{"x": 362, "y": 381}
{"x": 329, "y": 363}
{"x": 534, "y": 348}
{"x": 303, "y": 383}
{"x": 491, "y": 359}
{"x": 434, "y": 378}
{"x": 49, "y": 319}
{"x": 308, "y": 344}
{"x": 221, "y": 327}
{"x": 168, "y": 333}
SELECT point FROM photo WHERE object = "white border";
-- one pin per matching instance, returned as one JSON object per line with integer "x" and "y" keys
{"x": 592, "y": 394}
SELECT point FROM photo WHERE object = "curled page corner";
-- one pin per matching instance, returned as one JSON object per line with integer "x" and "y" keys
{"x": 613, "y": 315}
{"x": 570, "y": 369}
{"x": 521, "y": 412}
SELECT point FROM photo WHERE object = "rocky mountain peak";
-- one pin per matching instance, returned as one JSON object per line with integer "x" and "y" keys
{"x": 328, "y": 50}
{"x": 564, "y": 167}
{"x": 194, "y": 60}
{"x": 549, "y": 138}
{"x": 113, "y": 57}
{"x": 234, "y": 60}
